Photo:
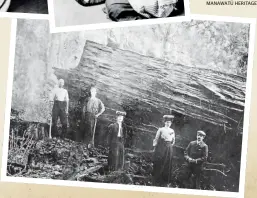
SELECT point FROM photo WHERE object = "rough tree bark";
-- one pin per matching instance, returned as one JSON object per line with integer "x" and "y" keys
{"x": 124, "y": 77}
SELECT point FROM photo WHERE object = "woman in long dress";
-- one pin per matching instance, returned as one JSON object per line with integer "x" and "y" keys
{"x": 163, "y": 153}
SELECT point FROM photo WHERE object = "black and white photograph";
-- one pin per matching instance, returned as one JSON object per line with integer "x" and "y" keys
{"x": 90, "y": 14}
{"x": 23, "y": 6}
{"x": 156, "y": 108}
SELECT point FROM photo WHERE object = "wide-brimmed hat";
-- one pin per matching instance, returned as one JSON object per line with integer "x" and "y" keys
{"x": 121, "y": 113}
{"x": 168, "y": 118}
{"x": 201, "y": 133}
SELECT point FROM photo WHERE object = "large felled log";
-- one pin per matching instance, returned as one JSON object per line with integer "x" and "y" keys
{"x": 126, "y": 79}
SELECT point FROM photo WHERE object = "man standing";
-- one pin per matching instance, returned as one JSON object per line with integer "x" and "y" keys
{"x": 60, "y": 100}
{"x": 196, "y": 154}
{"x": 91, "y": 111}
{"x": 117, "y": 138}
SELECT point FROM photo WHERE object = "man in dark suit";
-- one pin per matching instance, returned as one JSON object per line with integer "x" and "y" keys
{"x": 117, "y": 137}
{"x": 196, "y": 154}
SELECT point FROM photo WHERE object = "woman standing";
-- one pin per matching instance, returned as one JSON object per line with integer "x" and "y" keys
{"x": 163, "y": 153}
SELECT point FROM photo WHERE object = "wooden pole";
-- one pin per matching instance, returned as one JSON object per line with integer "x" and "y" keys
{"x": 93, "y": 138}
{"x": 50, "y": 128}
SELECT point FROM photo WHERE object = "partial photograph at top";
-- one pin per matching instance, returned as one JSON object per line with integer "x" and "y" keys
{"x": 85, "y": 12}
{"x": 24, "y": 6}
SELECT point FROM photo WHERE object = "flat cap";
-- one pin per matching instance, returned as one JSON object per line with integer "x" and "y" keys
{"x": 121, "y": 113}
{"x": 201, "y": 133}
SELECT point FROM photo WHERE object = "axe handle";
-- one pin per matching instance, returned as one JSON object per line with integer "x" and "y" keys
{"x": 50, "y": 129}
{"x": 93, "y": 138}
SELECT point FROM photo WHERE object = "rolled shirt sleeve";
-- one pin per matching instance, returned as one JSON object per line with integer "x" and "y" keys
{"x": 155, "y": 141}
{"x": 186, "y": 152}
{"x": 102, "y": 105}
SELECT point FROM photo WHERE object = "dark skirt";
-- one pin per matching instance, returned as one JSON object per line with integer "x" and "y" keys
{"x": 116, "y": 156}
{"x": 162, "y": 163}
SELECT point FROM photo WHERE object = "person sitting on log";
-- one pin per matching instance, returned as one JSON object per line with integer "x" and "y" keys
{"x": 92, "y": 109}
{"x": 117, "y": 137}
{"x": 163, "y": 153}
{"x": 196, "y": 154}
{"x": 60, "y": 100}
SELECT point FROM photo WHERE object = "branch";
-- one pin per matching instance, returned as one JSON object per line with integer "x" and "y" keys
{"x": 215, "y": 164}
{"x": 149, "y": 125}
{"x": 216, "y": 171}
{"x": 137, "y": 176}
{"x": 88, "y": 171}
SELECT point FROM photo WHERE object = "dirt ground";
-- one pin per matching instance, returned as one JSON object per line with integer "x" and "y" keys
{"x": 69, "y": 12}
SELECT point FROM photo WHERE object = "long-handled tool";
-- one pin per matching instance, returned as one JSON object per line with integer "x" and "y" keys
{"x": 92, "y": 143}
{"x": 93, "y": 135}
{"x": 50, "y": 128}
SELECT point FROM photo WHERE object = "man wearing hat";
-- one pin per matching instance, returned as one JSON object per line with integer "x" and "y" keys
{"x": 163, "y": 153}
{"x": 196, "y": 154}
{"x": 117, "y": 137}
{"x": 60, "y": 100}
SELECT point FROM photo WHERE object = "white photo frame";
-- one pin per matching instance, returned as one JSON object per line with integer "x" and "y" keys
{"x": 5, "y": 178}
{"x": 56, "y": 29}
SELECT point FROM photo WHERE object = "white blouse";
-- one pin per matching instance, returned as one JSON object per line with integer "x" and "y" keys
{"x": 119, "y": 132}
{"x": 167, "y": 134}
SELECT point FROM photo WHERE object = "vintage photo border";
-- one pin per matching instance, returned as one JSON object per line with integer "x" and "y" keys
{"x": 15, "y": 15}
{"x": 252, "y": 23}
{"x": 112, "y": 24}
